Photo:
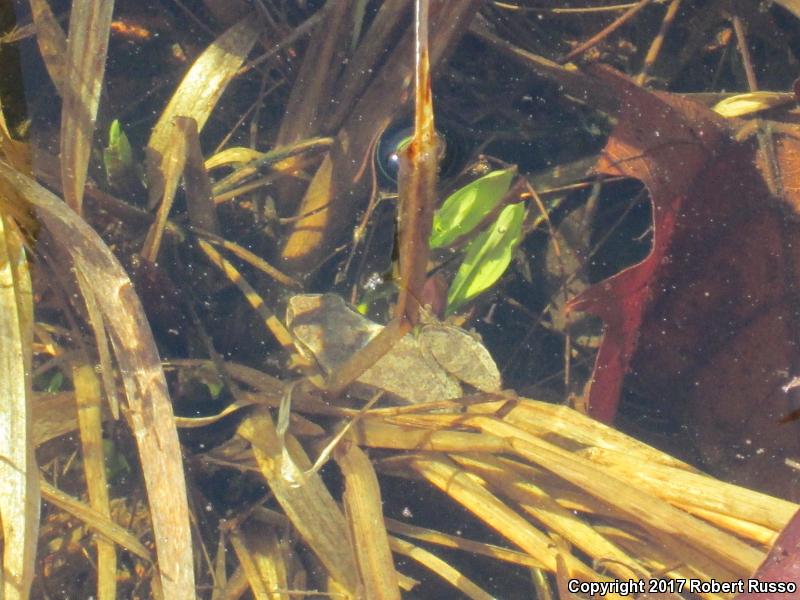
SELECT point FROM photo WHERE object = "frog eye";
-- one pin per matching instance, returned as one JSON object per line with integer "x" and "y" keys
{"x": 387, "y": 152}
{"x": 395, "y": 138}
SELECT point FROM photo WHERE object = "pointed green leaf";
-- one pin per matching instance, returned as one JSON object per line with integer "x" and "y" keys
{"x": 487, "y": 258}
{"x": 55, "y": 384}
{"x": 465, "y": 208}
{"x": 117, "y": 156}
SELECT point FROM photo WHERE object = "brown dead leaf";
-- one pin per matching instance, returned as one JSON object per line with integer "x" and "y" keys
{"x": 90, "y": 420}
{"x": 303, "y": 497}
{"x": 87, "y": 45}
{"x": 364, "y": 509}
{"x": 149, "y": 409}
{"x": 707, "y": 323}
{"x": 19, "y": 494}
{"x": 196, "y": 97}
{"x": 52, "y": 41}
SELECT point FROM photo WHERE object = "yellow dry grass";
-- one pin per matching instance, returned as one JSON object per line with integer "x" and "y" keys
{"x": 558, "y": 486}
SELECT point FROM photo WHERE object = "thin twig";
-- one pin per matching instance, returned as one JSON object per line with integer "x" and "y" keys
{"x": 747, "y": 61}
{"x": 605, "y": 32}
{"x": 564, "y": 11}
{"x": 658, "y": 41}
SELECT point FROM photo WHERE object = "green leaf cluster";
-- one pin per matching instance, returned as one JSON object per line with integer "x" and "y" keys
{"x": 489, "y": 253}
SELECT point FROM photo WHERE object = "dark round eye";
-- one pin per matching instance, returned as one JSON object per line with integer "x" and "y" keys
{"x": 387, "y": 161}
{"x": 396, "y": 137}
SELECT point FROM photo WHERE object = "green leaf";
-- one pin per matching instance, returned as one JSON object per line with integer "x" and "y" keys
{"x": 117, "y": 156}
{"x": 215, "y": 389}
{"x": 487, "y": 257}
{"x": 55, "y": 384}
{"x": 466, "y": 208}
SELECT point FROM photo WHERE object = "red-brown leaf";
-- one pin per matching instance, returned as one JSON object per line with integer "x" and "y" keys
{"x": 706, "y": 323}
{"x": 781, "y": 565}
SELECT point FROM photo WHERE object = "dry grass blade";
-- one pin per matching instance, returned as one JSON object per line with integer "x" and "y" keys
{"x": 443, "y": 569}
{"x": 459, "y": 543}
{"x": 197, "y": 96}
{"x": 378, "y": 432}
{"x": 90, "y": 420}
{"x": 101, "y": 343}
{"x": 170, "y": 176}
{"x": 259, "y": 554}
{"x": 658, "y": 41}
{"x": 560, "y": 423}
{"x": 697, "y": 491}
{"x": 303, "y": 496}
{"x": 87, "y": 45}
{"x": 562, "y": 580}
{"x": 536, "y": 502}
{"x": 51, "y": 40}
{"x": 740, "y": 105}
{"x": 273, "y": 558}
{"x": 100, "y": 523}
{"x": 626, "y": 508}
{"x": 199, "y": 197}
{"x": 220, "y": 574}
{"x": 364, "y": 509}
{"x": 660, "y": 561}
{"x": 711, "y": 552}
{"x": 315, "y": 80}
{"x": 231, "y": 157}
{"x": 19, "y": 494}
{"x": 792, "y": 6}
{"x": 150, "y": 411}
{"x": 54, "y": 415}
{"x": 255, "y": 261}
{"x": 235, "y": 586}
{"x": 459, "y": 485}
{"x": 272, "y": 322}
{"x": 745, "y": 529}
{"x": 567, "y": 495}
{"x": 285, "y": 159}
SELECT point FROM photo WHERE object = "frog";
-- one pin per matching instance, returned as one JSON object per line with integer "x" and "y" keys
{"x": 435, "y": 362}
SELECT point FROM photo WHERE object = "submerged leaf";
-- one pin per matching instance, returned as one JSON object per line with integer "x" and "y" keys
{"x": 705, "y": 326}
{"x": 487, "y": 257}
{"x": 117, "y": 156}
{"x": 467, "y": 207}
{"x": 87, "y": 44}
{"x": 149, "y": 409}
{"x": 310, "y": 507}
{"x": 52, "y": 42}
{"x": 55, "y": 383}
{"x": 196, "y": 97}
{"x": 90, "y": 420}
{"x": 263, "y": 558}
{"x": 96, "y": 521}
{"x": 363, "y": 504}
{"x": 19, "y": 494}
{"x": 746, "y": 104}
